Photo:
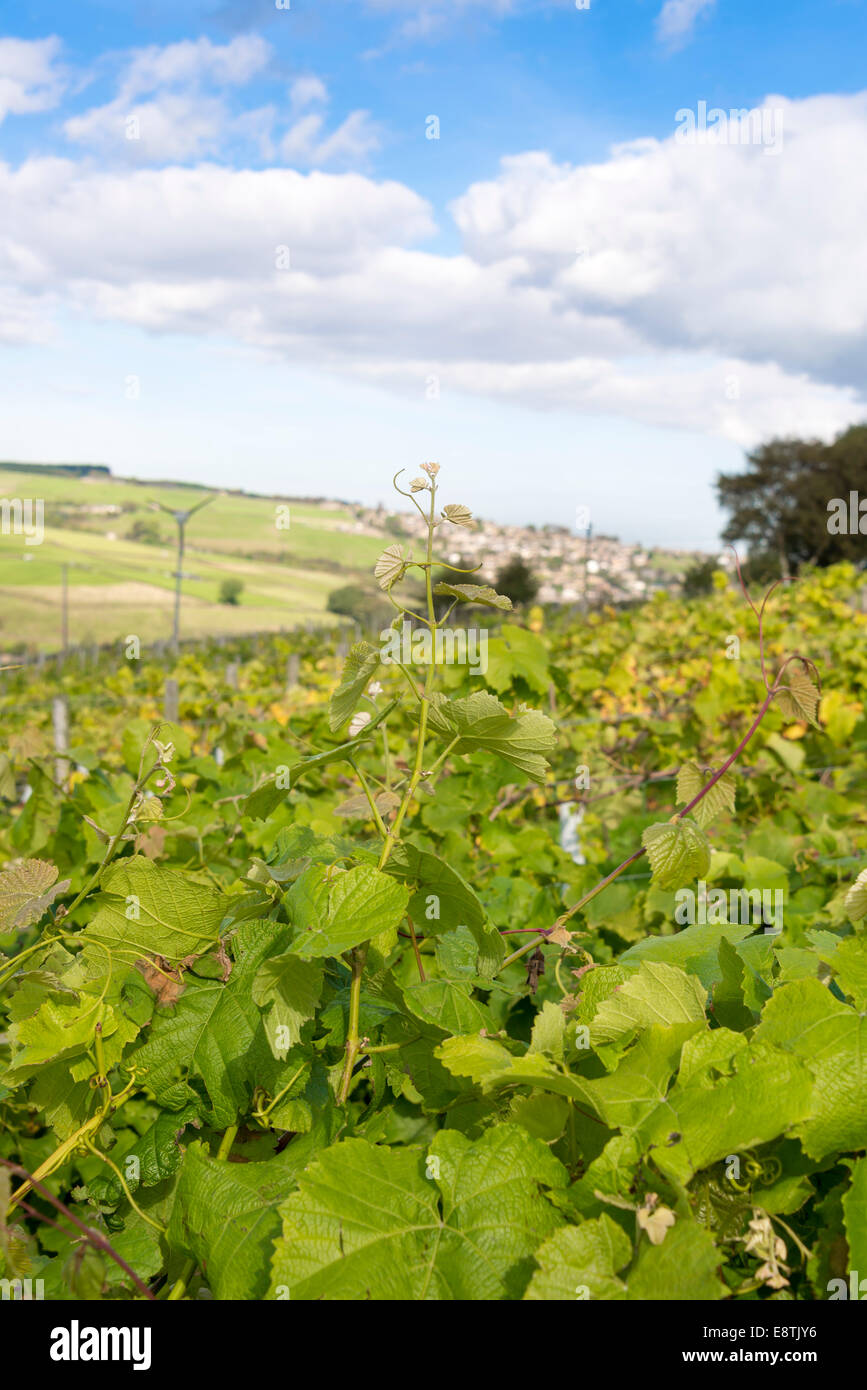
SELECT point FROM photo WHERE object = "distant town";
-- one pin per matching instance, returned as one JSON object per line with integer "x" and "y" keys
{"x": 571, "y": 567}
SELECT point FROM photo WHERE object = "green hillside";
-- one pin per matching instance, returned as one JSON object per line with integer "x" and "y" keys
{"x": 120, "y": 585}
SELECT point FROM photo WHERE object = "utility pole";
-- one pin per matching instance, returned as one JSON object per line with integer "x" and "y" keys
{"x": 181, "y": 519}
{"x": 586, "y": 562}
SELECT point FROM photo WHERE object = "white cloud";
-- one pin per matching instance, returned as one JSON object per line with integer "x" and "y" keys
{"x": 30, "y": 79}
{"x": 83, "y": 228}
{"x": 677, "y": 19}
{"x": 307, "y": 90}
{"x": 729, "y": 249}
{"x": 193, "y": 62}
{"x": 722, "y": 289}
{"x": 186, "y": 116}
{"x": 171, "y": 127}
{"x": 427, "y": 19}
{"x": 351, "y": 143}
{"x": 172, "y": 105}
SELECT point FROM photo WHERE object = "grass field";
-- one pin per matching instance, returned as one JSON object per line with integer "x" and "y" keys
{"x": 119, "y": 586}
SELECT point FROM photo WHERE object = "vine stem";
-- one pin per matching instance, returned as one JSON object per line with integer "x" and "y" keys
{"x": 353, "y": 1043}
{"x": 358, "y": 956}
{"x": 637, "y": 854}
{"x": 414, "y": 940}
{"x": 111, "y": 847}
{"x": 93, "y": 1237}
{"x": 365, "y": 787}
{"x": 436, "y": 765}
{"x": 68, "y": 1146}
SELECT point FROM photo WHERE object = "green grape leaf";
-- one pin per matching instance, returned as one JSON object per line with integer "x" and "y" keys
{"x": 65, "y": 1103}
{"x": 213, "y": 1034}
{"x": 479, "y": 721}
{"x": 27, "y": 890}
{"x": 687, "y": 945}
{"x": 721, "y": 796}
{"x": 549, "y": 1028}
{"x": 678, "y": 851}
{"x": 855, "y": 1213}
{"x": 152, "y": 1158}
{"x": 443, "y": 900}
{"x": 849, "y": 963}
{"x": 518, "y": 653}
{"x": 655, "y": 994}
{"x": 474, "y": 593}
{"x": 611, "y": 1174}
{"x": 483, "y": 1060}
{"x": 8, "y": 785}
{"x": 336, "y": 911}
{"x": 360, "y": 665}
{"x": 145, "y": 909}
{"x": 831, "y": 1039}
{"x": 375, "y": 1223}
{"x": 449, "y": 1004}
{"x": 639, "y": 1083}
{"x": 288, "y": 989}
{"x": 682, "y": 1269}
{"x": 488, "y": 1065}
{"x": 139, "y": 1245}
{"x": 581, "y": 1262}
{"x": 60, "y": 1028}
{"x": 225, "y": 1215}
{"x": 699, "y": 1123}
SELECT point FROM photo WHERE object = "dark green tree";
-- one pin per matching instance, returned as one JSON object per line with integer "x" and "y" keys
{"x": 517, "y": 581}
{"x": 146, "y": 530}
{"x": 698, "y": 579}
{"x": 782, "y": 504}
{"x": 364, "y": 606}
{"x": 231, "y": 590}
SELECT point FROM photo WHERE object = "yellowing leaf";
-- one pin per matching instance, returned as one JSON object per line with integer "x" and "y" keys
{"x": 856, "y": 898}
{"x": 27, "y": 890}
{"x": 458, "y": 514}
{"x": 799, "y": 698}
{"x": 390, "y": 566}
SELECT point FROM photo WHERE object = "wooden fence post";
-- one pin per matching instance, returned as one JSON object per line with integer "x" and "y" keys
{"x": 60, "y": 722}
{"x": 170, "y": 701}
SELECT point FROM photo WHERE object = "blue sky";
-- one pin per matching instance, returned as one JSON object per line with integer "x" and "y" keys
{"x": 559, "y": 298}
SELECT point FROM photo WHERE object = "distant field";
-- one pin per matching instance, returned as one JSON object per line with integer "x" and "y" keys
{"x": 119, "y": 586}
